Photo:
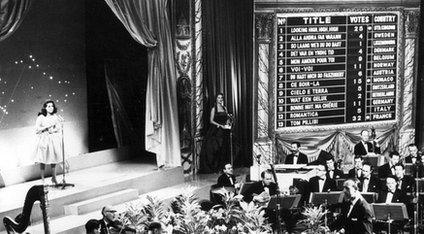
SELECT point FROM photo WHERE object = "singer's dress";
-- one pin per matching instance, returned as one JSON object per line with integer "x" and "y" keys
{"x": 49, "y": 143}
{"x": 215, "y": 151}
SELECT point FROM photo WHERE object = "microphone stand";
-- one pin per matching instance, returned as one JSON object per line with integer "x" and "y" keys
{"x": 63, "y": 184}
{"x": 278, "y": 208}
{"x": 416, "y": 200}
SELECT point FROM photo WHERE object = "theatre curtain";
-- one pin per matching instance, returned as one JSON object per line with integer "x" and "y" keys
{"x": 227, "y": 64}
{"x": 12, "y": 13}
{"x": 149, "y": 25}
{"x": 339, "y": 143}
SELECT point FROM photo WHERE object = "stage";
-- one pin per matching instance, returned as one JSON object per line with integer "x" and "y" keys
{"x": 113, "y": 183}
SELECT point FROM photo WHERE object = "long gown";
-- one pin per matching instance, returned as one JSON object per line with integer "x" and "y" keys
{"x": 49, "y": 145}
{"x": 215, "y": 151}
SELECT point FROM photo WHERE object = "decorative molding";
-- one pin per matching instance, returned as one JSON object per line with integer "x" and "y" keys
{"x": 264, "y": 25}
{"x": 411, "y": 22}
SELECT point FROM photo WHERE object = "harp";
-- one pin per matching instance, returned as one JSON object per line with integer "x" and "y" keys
{"x": 21, "y": 222}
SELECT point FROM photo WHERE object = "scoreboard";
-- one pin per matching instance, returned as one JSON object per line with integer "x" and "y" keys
{"x": 336, "y": 68}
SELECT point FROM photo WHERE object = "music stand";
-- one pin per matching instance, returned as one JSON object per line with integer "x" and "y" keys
{"x": 246, "y": 186}
{"x": 370, "y": 197}
{"x": 372, "y": 160}
{"x": 339, "y": 183}
{"x": 285, "y": 202}
{"x": 328, "y": 198}
{"x": 390, "y": 212}
{"x": 408, "y": 169}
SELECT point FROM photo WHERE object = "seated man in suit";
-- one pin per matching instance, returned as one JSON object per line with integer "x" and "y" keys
{"x": 365, "y": 147}
{"x": 388, "y": 169}
{"x": 227, "y": 179}
{"x": 321, "y": 183}
{"x": 392, "y": 194}
{"x": 356, "y": 214}
{"x": 110, "y": 223}
{"x": 296, "y": 157}
{"x": 413, "y": 156}
{"x": 405, "y": 182}
{"x": 261, "y": 191}
{"x": 368, "y": 182}
{"x": 418, "y": 168}
{"x": 332, "y": 171}
{"x": 356, "y": 171}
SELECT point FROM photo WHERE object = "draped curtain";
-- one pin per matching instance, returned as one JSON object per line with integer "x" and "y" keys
{"x": 340, "y": 143}
{"x": 227, "y": 63}
{"x": 12, "y": 13}
{"x": 149, "y": 25}
{"x": 122, "y": 98}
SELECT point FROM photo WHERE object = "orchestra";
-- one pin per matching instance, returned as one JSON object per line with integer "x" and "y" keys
{"x": 389, "y": 184}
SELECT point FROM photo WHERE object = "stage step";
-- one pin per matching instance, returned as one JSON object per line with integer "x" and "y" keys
{"x": 71, "y": 224}
{"x": 89, "y": 184}
{"x": 97, "y": 203}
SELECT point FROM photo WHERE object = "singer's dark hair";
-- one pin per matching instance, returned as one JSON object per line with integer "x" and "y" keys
{"x": 44, "y": 111}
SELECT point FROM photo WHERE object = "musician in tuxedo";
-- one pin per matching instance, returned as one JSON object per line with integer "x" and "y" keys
{"x": 332, "y": 171}
{"x": 392, "y": 194}
{"x": 365, "y": 146}
{"x": 321, "y": 183}
{"x": 368, "y": 182}
{"x": 356, "y": 214}
{"x": 261, "y": 191}
{"x": 356, "y": 171}
{"x": 418, "y": 168}
{"x": 296, "y": 157}
{"x": 413, "y": 156}
{"x": 227, "y": 179}
{"x": 110, "y": 223}
{"x": 405, "y": 183}
{"x": 388, "y": 169}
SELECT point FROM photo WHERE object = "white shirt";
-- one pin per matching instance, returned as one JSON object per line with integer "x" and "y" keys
{"x": 321, "y": 185}
{"x": 358, "y": 173}
{"x": 365, "y": 146}
{"x": 365, "y": 185}
{"x": 295, "y": 157}
{"x": 389, "y": 197}
{"x": 231, "y": 180}
{"x": 331, "y": 173}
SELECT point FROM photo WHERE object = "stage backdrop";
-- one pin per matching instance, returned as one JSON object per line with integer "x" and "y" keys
{"x": 43, "y": 60}
{"x": 325, "y": 72}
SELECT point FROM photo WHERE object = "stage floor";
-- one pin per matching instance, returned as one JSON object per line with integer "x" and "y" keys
{"x": 114, "y": 183}
{"x": 13, "y": 196}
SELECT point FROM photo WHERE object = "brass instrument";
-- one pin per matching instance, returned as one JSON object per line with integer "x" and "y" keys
{"x": 21, "y": 222}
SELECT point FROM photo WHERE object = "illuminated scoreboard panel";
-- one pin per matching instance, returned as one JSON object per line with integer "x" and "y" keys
{"x": 336, "y": 68}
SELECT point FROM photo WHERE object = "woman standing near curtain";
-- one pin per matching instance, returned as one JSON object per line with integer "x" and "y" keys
{"x": 49, "y": 147}
{"x": 215, "y": 151}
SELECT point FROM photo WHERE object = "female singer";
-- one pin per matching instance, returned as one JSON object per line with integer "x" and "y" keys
{"x": 216, "y": 146}
{"x": 49, "y": 147}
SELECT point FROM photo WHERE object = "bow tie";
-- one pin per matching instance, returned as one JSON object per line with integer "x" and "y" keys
{"x": 390, "y": 192}
{"x": 321, "y": 178}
